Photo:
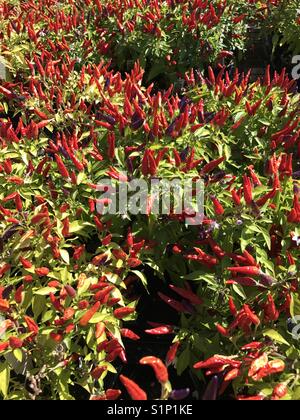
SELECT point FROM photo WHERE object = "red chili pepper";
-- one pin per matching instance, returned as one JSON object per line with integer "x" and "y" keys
{"x": 114, "y": 174}
{"x": 8, "y": 166}
{"x": 28, "y": 279}
{"x": 130, "y": 239}
{"x": 70, "y": 291}
{"x": 243, "y": 281}
{"x": 217, "y": 361}
{"x": 203, "y": 258}
{"x": 42, "y": 124}
{"x": 179, "y": 307}
{"x": 15, "y": 342}
{"x": 68, "y": 314}
{"x": 41, "y": 165}
{"x": 85, "y": 319}
{"x": 19, "y": 294}
{"x": 250, "y": 259}
{"x": 6, "y": 92}
{"x": 160, "y": 370}
{"x": 79, "y": 251}
{"x": 61, "y": 167}
{"x": 280, "y": 391}
{"x": 247, "y": 270}
{"x": 107, "y": 240}
{"x": 113, "y": 301}
{"x": 219, "y": 209}
{"x": 4, "y": 305}
{"x": 9, "y": 197}
{"x": 121, "y": 313}
{"x": 161, "y": 330}
{"x": 218, "y": 251}
{"x": 104, "y": 125}
{"x": 275, "y": 366}
{"x": 232, "y": 306}
{"x": 255, "y": 345}
{"x": 125, "y": 332}
{"x": 38, "y": 218}
{"x": 102, "y": 294}
{"x": 253, "y": 109}
{"x": 66, "y": 227}
{"x": 258, "y": 364}
{"x": 54, "y": 283}
{"x": 57, "y": 337}
{"x": 112, "y": 394}
{"x": 262, "y": 200}
{"x": 98, "y": 371}
{"x": 270, "y": 311}
{"x": 26, "y": 264}
{"x": 119, "y": 254}
{"x": 247, "y": 190}
{"x": 223, "y": 331}
{"x": 83, "y": 304}
{"x": 149, "y": 166}
{"x": 134, "y": 262}
{"x": 55, "y": 302}
{"x": 31, "y": 325}
{"x": 42, "y": 272}
{"x": 5, "y": 212}
{"x": 171, "y": 355}
{"x": 187, "y": 294}
{"x": 177, "y": 158}
{"x": 254, "y": 177}
{"x": 99, "y": 330}
{"x": 251, "y": 315}
{"x": 4, "y": 346}
{"x": 133, "y": 389}
{"x": 252, "y": 398}
{"x": 76, "y": 162}
{"x": 211, "y": 76}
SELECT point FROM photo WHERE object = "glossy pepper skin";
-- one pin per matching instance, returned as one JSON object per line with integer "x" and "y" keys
{"x": 85, "y": 319}
{"x": 121, "y": 313}
{"x": 133, "y": 389}
{"x": 161, "y": 330}
{"x": 247, "y": 270}
{"x": 187, "y": 294}
{"x": 219, "y": 209}
{"x": 172, "y": 353}
{"x": 160, "y": 370}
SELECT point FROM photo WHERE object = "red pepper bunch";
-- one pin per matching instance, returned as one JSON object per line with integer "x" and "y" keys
{"x": 254, "y": 365}
{"x": 161, "y": 374}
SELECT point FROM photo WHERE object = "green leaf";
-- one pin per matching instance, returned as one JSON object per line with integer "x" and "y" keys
{"x": 296, "y": 394}
{"x": 48, "y": 315}
{"x": 142, "y": 277}
{"x": 295, "y": 305}
{"x": 4, "y": 378}
{"x": 78, "y": 226}
{"x": 275, "y": 336}
{"x": 65, "y": 256}
{"x": 156, "y": 69}
{"x": 239, "y": 291}
{"x": 45, "y": 291}
{"x": 97, "y": 318}
{"x": 38, "y": 305}
{"x": 183, "y": 360}
{"x": 266, "y": 236}
{"x": 18, "y": 355}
